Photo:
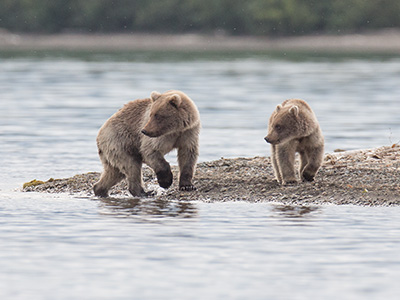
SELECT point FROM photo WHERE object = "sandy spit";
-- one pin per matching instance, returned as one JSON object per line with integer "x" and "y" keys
{"x": 363, "y": 177}
{"x": 383, "y": 41}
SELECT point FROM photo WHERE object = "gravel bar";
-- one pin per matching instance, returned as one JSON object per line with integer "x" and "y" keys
{"x": 361, "y": 177}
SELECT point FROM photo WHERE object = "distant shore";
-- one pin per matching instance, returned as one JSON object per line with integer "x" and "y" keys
{"x": 364, "y": 177}
{"x": 384, "y": 41}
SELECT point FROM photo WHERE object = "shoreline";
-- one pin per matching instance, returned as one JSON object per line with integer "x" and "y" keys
{"x": 368, "y": 177}
{"x": 383, "y": 41}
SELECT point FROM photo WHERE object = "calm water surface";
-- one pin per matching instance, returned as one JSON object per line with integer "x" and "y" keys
{"x": 66, "y": 247}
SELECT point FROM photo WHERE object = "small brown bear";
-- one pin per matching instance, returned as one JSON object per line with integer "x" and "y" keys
{"x": 143, "y": 131}
{"x": 293, "y": 127}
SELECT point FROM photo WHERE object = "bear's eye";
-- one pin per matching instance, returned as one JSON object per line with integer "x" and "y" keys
{"x": 278, "y": 127}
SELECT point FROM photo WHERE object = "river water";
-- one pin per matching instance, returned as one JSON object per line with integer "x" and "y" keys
{"x": 66, "y": 247}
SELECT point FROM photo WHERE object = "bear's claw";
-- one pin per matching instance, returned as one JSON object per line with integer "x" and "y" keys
{"x": 290, "y": 182}
{"x": 187, "y": 188}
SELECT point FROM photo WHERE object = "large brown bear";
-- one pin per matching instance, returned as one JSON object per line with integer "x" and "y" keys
{"x": 293, "y": 127}
{"x": 143, "y": 131}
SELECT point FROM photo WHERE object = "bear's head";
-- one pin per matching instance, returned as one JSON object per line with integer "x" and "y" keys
{"x": 172, "y": 111}
{"x": 286, "y": 123}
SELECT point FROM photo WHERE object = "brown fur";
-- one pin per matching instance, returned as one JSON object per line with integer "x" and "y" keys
{"x": 293, "y": 127}
{"x": 143, "y": 131}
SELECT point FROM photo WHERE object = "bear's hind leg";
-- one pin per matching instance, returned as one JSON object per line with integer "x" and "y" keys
{"x": 315, "y": 157}
{"x": 303, "y": 162}
{"x": 110, "y": 177}
{"x": 133, "y": 173}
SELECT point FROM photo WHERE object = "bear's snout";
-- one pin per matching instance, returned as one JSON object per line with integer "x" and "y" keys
{"x": 270, "y": 140}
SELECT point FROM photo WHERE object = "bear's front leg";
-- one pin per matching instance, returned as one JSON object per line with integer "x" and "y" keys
{"x": 286, "y": 156}
{"x": 164, "y": 177}
{"x": 275, "y": 164}
{"x": 161, "y": 167}
{"x": 187, "y": 158}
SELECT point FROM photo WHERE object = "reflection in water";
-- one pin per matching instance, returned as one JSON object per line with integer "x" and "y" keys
{"x": 147, "y": 207}
{"x": 293, "y": 212}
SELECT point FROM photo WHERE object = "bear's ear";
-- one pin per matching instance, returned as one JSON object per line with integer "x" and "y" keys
{"x": 294, "y": 110}
{"x": 278, "y": 107}
{"x": 175, "y": 100}
{"x": 155, "y": 95}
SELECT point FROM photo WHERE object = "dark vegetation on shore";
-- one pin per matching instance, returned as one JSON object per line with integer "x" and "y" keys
{"x": 236, "y": 17}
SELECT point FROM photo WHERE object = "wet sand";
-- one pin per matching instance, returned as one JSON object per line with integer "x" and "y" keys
{"x": 364, "y": 177}
{"x": 384, "y": 41}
